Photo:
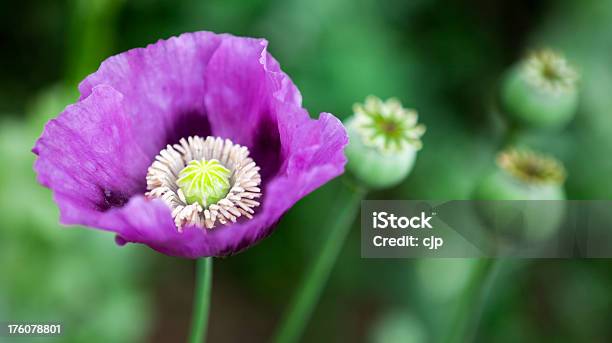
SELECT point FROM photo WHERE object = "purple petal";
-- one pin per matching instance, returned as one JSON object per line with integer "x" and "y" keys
{"x": 244, "y": 95}
{"x": 164, "y": 83}
{"x": 90, "y": 155}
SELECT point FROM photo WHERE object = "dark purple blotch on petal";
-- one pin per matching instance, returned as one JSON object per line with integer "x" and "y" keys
{"x": 188, "y": 123}
{"x": 266, "y": 148}
{"x": 112, "y": 199}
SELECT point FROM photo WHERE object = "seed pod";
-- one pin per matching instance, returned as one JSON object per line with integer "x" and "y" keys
{"x": 522, "y": 175}
{"x": 384, "y": 140}
{"x": 541, "y": 91}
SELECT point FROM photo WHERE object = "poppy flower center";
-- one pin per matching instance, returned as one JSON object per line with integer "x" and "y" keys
{"x": 205, "y": 182}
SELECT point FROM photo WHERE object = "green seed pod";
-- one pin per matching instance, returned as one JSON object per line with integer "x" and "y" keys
{"x": 523, "y": 175}
{"x": 541, "y": 91}
{"x": 204, "y": 181}
{"x": 384, "y": 139}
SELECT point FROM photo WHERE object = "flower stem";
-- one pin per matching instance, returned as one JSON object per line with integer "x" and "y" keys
{"x": 511, "y": 136}
{"x": 472, "y": 303}
{"x": 201, "y": 300}
{"x": 296, "y": 318}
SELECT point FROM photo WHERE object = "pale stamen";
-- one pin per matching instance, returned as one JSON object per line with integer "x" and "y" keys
{"x": 244, "y": 180}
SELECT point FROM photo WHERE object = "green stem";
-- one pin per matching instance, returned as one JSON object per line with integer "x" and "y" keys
{"x": 511, "y": 136}
{"x": 201, "y": 300}
{"x": 296, "y": 318}
{"x": 472, "y": 303}
{"x": 91, "y": 33}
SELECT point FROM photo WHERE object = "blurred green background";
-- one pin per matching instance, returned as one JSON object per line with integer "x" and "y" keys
{"x": 443, "y": 58}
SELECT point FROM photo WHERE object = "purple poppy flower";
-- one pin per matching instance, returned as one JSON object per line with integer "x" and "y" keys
{"x": 104, "y": 153}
